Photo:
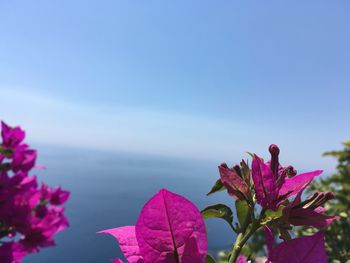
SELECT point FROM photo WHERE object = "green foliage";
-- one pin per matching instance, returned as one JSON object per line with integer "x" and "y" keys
{"x": 209, "y": 259}
{"x": 217, "y": 187}
{"x": 242, "y": 209}
{"x": 256, "y": 244}
{"x": 272, "y": 215}
{"x": 338, "y": 233}
{"x": 218, "y": 211}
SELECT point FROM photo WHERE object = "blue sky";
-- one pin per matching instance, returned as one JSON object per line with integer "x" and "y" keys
{"x": 197, "y": 79}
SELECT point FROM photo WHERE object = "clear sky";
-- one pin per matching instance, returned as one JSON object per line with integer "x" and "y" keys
{"x": 198, "y": 79}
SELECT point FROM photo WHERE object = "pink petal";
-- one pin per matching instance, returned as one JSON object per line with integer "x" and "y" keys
{"x": 59, "y": 196}
{"x": 40, "y": 166}
{"x": 320, "y": 209}
{"x": 12, "y": 252}
{"x": 307, "y": 249}
{"x": 234, "y": 184}
{"x": 127, "y": 241}
{"x": 264, "y": 184}
{"x": 295, "y": 184}
{"x": 12, "y": 137}
{"x": 297, "y": 199}
{"x": 170, "y": 229}
{"x": 309, "y": 217}
{"x": 190, "y": 252}
{"x": 241, "y": 259}
{"x": 270, "y": 239}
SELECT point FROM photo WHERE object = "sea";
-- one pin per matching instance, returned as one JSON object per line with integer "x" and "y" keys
{"x": 109, "y": 189}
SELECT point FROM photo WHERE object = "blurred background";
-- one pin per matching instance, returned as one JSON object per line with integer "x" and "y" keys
{"x": 122, "y": 98}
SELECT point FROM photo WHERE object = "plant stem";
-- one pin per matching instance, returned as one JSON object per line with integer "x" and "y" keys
{"x": 236, "y": 249}
{"x": 243, "y": 237}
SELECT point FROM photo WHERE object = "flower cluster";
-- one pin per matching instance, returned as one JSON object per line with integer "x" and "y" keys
{"x": 30, "y": 215}
{"x": 273, "y": 187}
{"x": 267, "y": 195}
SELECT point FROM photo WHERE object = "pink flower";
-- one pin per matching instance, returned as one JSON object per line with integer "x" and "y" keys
{"x": 169, "y": 229}
{"x": 12, "y": 252}
{"x": 271, "y": 184}
{"x": 30, "y": 216}
{"x": 309, "y": 212}
{"x": 23, "y": 158}
{"x": 55, "y": 196}
{"x": 59, "y": 196}
{"x": 42, "y": 228}
{"x": 11, "y": 137}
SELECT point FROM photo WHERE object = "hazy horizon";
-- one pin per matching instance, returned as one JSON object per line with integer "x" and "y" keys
{"x": 198, "y": 79}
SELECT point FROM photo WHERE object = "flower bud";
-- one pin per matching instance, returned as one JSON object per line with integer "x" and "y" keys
{"x": 224, "y": 165}
{"x": 289, "y": 171}
{"x": 329, "y": 196}
{"x": 274, "y": 151}
{"x": 237, "y": 169}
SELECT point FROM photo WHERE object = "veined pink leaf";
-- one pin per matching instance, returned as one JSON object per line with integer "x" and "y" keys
{"x": 127, "y": 241}
{"x": 170, "y": 229}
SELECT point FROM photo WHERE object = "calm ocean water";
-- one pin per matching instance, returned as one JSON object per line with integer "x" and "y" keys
{"x": 108, "y": 190}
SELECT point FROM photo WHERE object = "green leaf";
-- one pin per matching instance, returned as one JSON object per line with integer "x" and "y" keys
{"x": 242, "y": 209}
{"x": 253, "y": 156}
{"x": 218, "y": 211}
{"x": 209, "y": 259}
{"x": 6, "y": 152}
{"x": 217, "y": 187}
{"x": 343, "y": 214}
{"x": 271, "y": 215}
